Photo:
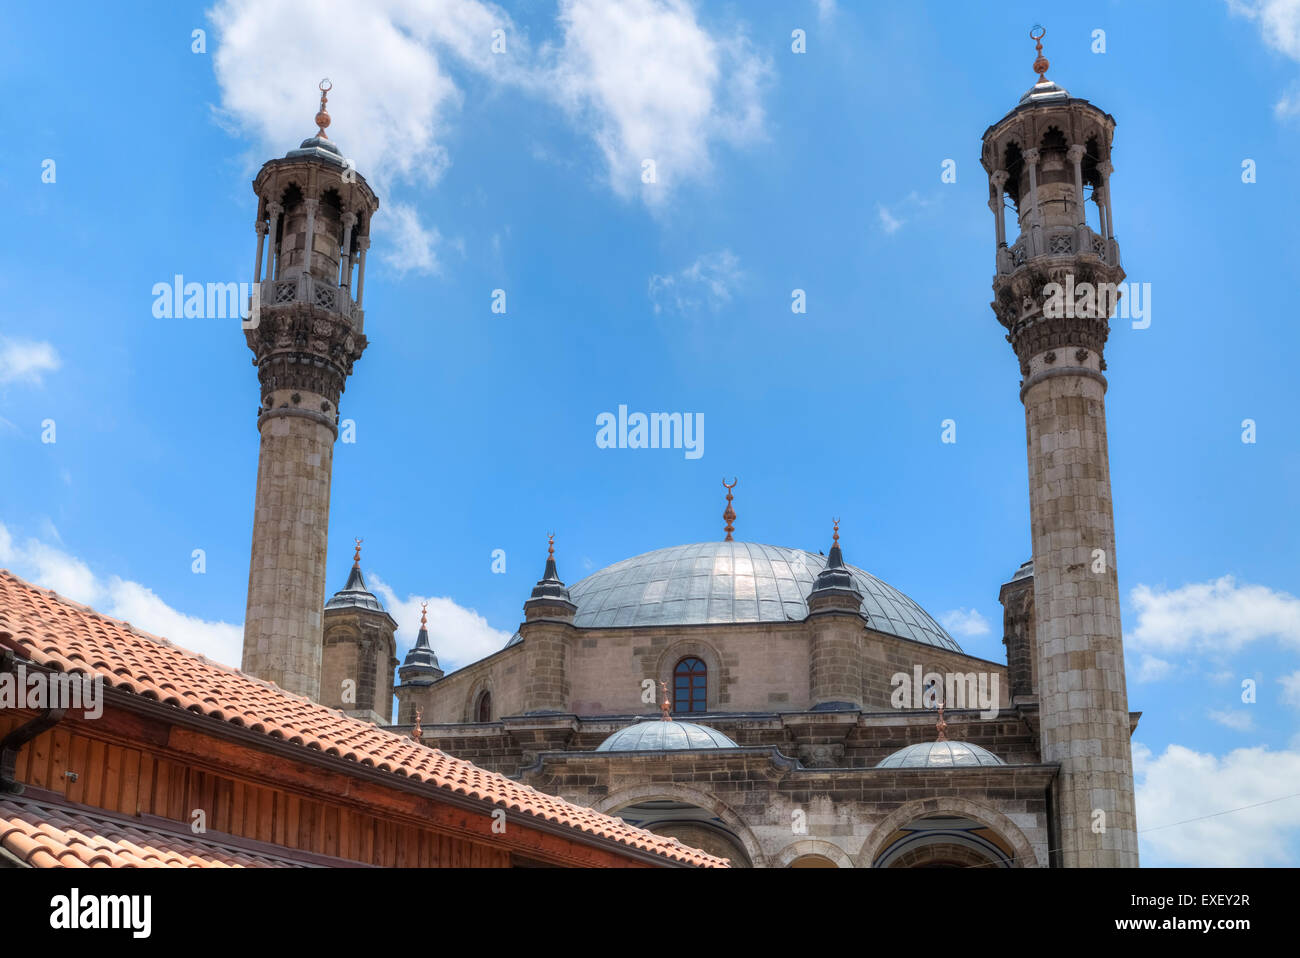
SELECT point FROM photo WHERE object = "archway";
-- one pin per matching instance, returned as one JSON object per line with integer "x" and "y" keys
{"x": 669, "y": 809}
{"x": 952, "y": 832}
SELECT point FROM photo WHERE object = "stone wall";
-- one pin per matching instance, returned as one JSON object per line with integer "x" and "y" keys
{"x": 286, "y": 580}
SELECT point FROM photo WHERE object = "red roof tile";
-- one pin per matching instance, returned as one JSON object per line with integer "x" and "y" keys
{"x": 49, "y": 835}
{"x": 58, "y": 633}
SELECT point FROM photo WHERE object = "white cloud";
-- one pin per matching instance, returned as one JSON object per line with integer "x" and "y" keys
{"x": 1152, "y": 669}
{"x": 1278, "y": 20}
{"x": 965, "y": 622}
{"x": 458, "y": 635}
{"x": 653, "y": 84}
{"x": 1291, "y": 688}
{"x": 393, "y": 99}
{"x": 642, "y": 77}
{"x": 1240, "y": 720}
{"x": 1183, "y": 784}
{"x": 1217, "y": 616}
{"x": 825, "y": 10}
{"x": 408, "y": 245}
{"x": 26, "y": 361}
{"x": 1279, "y": 28}
{"x": 708, "y": 282}
{"x": 52, "y": 568}
{"x": 895, "y": 217}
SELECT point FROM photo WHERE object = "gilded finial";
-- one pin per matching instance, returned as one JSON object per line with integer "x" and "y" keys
{"x": 356, "y": 558}
{"x": 835, "y": 539}
{"x": 1041, "y": 63}
{"x": 665, "y": 705}
{"x": 323, "y": 118}
{"x": 550, "y": 546}
{"x": 941, "y": 725}
{"x": 417, "y": 731}
{"x": 424, "y": 614}
{"x": 730, "y": 514}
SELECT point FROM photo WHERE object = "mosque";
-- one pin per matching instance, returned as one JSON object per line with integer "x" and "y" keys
{"x": 742, "y": 697}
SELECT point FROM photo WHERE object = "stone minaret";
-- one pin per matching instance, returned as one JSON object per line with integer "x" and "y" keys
{"x": 306, "y": 331}
{"x": 1044, "y": 154}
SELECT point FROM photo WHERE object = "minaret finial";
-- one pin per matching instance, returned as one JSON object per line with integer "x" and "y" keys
{"x": 550, "y": 546}
{"x": 356, "y": 558}
{"x": 1040, "y": 64}
{"x": 835, "y": 539}
{"x": 424, "y": 615}
{"x": 418, "y": 730}
{"x": 730, "y": 514}
{"x": 941, "y": 725}
{"x": 665, "y": 705}
{"x": 323, "y": 118}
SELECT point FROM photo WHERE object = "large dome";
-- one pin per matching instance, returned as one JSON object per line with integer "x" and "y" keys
{"x": 724, "y": 582}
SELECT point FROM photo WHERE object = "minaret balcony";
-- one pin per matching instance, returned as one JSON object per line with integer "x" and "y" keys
{"x": 1057, "y": 241}
{"x": 306, "y": 288}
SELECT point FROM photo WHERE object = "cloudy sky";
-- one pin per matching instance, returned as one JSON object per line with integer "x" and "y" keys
{"x": 508, "y": 145}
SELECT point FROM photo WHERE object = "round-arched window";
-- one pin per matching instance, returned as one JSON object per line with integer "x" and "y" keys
{"x": 690, "y": 686}
{"x": 483, "y": 709}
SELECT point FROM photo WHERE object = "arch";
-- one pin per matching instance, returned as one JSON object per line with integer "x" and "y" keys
{"x": 786, "y": 857}
{"x": 483, "y": 706}
{"x": 690, "y": 685}
{"x": 681, "y": 793}
{"x": 1025, "y": 856}
{"x": 479, "y": 687}
{"x": 692, "y": 648}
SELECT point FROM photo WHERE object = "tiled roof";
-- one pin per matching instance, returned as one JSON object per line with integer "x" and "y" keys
{"x": 61, "y": 634}
{"x": 49, "y": 835}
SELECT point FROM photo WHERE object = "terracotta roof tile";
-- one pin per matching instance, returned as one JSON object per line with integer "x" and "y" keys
{"x": 58, "y": 633}
{"x": 48, "y": 835}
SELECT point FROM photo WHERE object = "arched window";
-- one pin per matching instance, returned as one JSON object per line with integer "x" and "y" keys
{"x": 690, "y": 686}
{"x": 483, "y": 710}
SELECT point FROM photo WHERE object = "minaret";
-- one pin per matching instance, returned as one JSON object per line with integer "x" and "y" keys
{"x": 1043, "y": 154}
{"x": 305, "y": 333}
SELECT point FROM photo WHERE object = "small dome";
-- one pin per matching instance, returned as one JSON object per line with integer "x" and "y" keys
{"x": 1045, "y": 90}
{"x": 514, "y": 640}
{"x": 940, "y": 755}
{"x": 661, "y": 736}
{"x": 317, "y": 147}
{"x": 1025, "y": 571}
{"x": 355, "y": 595}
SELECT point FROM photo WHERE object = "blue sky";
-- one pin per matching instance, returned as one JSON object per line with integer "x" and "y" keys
{"x": 777, "y": 171}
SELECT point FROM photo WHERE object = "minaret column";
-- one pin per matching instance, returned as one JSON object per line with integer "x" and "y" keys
{"x": 304, "y": 346}
{"x": 1078, "y": 666}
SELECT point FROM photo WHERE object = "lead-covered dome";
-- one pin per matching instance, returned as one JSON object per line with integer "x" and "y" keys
{"x": 728, "y": 582}
{"x": 943, "y": 754}
{"x": 660, "y": 736}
